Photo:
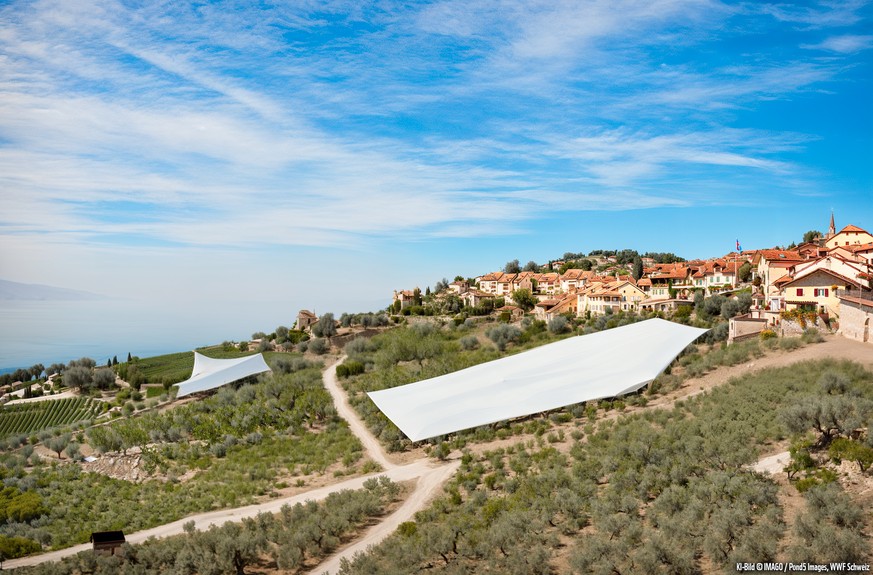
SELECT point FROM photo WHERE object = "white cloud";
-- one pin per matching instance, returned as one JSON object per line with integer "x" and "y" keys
{"x": 845, "y": 44}
{"x": 225, "y": 132}
{"x": 822, "y": 14}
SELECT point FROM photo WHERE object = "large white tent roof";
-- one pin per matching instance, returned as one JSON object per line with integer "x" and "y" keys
{"x": 210, "y": 373}
{"x": 605, "y": 364}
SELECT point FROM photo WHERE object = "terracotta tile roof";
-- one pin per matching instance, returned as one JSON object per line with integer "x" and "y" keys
{"x": 644, "y": 282}
{"x": 831, "y": 273}
{"x": 491, "y": 277}
{"x": 859, "y": 247}
{"x": 572, "y": 274}
{"x": 780, "y": 255}
{"x": 851, "y": 228}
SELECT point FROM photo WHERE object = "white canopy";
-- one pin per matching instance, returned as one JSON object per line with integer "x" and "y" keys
{"x": 210, "y": 373}
{"x": 605, "y": 364}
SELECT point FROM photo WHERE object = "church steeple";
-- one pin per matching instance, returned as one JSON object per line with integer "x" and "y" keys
{"x": 832, "y": 230}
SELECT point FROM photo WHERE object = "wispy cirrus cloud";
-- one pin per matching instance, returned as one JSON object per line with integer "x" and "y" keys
{"x": 326, "y": 124}
{"x": 844, "y": 44}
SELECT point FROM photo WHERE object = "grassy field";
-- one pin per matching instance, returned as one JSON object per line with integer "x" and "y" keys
{"x": 28, "y": 417}
{"x": 177, "y": 367}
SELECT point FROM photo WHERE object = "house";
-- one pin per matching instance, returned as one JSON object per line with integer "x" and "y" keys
{"x": 813, "y": 284}
{"x": 770, "y": 265}
{"x": 515, "y": 312}
{"x": 843, "y": 266}
{"x": 488, "y": 282}
{"x": 856, "y": 318}
{"x": 617, "y": 295}
{"x": 816, "y": 290}
{"x": 306, "y": 318}
{"x": 505, "y": 284}
{"x": 666, "y": 276}
{"x": 860, "y": 253}
{"x": 631, "y": 295}
{"x": 601, "y": 298}
{"x": 106, "y": 542}
{"x": 645, "y": 284}
{"x": 849, "y": 235}
{"x": 549, "y": 309}
{"x": 542, "y": 309}
{"x": 573, "y": 278}
{"x": 459, "y": 287}
{"x": 548, "y": 283}
{"x": 525, "y": 280}
{"x": 474, "y": 297}
{"x": 811, "y": 250}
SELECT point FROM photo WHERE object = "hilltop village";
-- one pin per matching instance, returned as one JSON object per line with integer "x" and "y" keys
{"x": 826, "y": 279}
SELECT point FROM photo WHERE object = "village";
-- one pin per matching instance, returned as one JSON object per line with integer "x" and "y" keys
{"x": 825, "y": 282}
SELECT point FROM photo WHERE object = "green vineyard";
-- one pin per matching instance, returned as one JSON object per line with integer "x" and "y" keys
{"x": 30, "y": 417}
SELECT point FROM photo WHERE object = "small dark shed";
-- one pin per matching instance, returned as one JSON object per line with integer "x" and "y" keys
{"x": 106, "y": 542}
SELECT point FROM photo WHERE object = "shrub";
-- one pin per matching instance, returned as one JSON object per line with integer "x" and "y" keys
{"x": 790, "y": 343}
{"x": 502, "y": 335}
{"x": 282, "y": 365}
{"x": 12, "y": 547}
{"x": 559, "y": 324}
{"x": 767, "y": 334}
{"x": 349, "y": 368}
{"x": 811, "y": 335}
{"x": 469, "y": 342}
{"x": 359, "y": 346}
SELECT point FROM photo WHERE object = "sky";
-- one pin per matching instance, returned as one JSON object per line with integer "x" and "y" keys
{"x": 323, "y": 154}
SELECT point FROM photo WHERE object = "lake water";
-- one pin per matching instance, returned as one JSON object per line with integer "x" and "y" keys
{"x": 58, "y": 331}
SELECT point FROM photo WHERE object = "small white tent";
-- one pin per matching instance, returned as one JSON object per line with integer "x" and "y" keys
{"x": 210, "y": 373}
{"x": 605, "y": 364}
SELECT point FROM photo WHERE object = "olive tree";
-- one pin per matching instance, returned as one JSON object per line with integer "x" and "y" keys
{"x": 325, "y": 326}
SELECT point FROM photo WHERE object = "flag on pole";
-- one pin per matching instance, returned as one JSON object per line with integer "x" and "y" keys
{"x": 739, "y": 247}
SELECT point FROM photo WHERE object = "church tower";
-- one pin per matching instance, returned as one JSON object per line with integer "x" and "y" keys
{"x": 832, "y": 230}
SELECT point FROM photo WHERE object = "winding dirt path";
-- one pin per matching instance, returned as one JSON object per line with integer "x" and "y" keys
{"x": 428, "y": 486}
{"x": 417, "y": 470}
{"x": 356, "y": 425}
{"x": 431, "y": 478}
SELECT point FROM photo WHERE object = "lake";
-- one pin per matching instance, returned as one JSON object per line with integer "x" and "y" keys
{"x": 57, "y": 331}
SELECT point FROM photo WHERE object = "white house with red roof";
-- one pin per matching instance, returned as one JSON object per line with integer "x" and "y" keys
{"x": 849, "y": 236}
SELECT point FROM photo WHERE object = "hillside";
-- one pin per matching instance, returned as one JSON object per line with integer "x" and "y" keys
{"x": 15, "y": 291}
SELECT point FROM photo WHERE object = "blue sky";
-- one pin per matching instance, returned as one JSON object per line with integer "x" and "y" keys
{"x": 322, "y": 154}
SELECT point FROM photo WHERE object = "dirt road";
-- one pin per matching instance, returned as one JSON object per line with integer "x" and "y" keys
{"x": 356, "y": 425}
{"x": 426, "y": 472}
{"x": 425, "y": 490}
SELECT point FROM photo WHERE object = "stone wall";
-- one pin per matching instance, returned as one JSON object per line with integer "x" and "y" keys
{"x": 856, "y": 321}
{"x": 745, "y": 327}
{"x": 790, "y": 327}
